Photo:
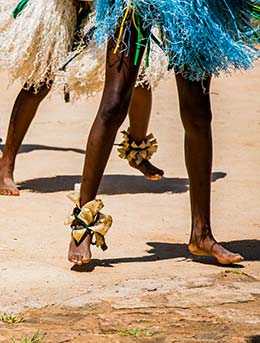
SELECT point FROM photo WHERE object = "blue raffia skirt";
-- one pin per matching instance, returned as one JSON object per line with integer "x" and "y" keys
{"x": 200, "y": 37}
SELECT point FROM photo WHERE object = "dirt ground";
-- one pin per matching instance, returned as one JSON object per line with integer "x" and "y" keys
{"x": 145, "y": 287}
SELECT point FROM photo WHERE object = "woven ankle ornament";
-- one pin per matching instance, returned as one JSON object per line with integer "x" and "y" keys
{"x": 131, "y": 151}
{"x": 90, "y": 220}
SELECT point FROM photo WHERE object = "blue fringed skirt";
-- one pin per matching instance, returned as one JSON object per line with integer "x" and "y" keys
{"x": 200, "y": 37}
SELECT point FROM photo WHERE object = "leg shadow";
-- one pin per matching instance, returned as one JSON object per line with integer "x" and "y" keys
{"x": 157, "y": 251}
{"x": 114, "y": 184}
{"x": 26, "y": 148}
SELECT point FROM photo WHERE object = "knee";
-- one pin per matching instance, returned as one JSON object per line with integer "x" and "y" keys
{"x": 197, "y": 122}
{"x": 113, "y": 109}
{"x": 196, "y": 117}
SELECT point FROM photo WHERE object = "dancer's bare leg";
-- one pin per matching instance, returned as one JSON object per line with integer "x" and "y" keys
{"x": 1, "y": 153}
{"x": 121, "y": 75}
{"x": 24, "y": 110}
{"x": 139, "y": 116}
{"x": 196, "y": 117}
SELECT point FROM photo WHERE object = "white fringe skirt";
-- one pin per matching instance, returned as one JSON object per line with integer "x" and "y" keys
{"x": 84, "y": 76}
{"x": 35, "y": 45}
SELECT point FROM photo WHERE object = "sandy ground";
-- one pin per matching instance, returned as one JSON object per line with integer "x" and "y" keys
{"x": 146, "y": 286}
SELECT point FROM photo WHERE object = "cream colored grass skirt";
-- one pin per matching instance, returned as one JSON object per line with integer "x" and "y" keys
{"x": 34, "y": 44}
{"x": 37, "y": 43}
{"x": 84, "y": 76}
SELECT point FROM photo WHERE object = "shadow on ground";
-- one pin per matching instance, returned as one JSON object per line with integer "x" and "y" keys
{"x": 250, "y": 249}
{"x": 25, "y": 148}
{"x": 114, "y": 184}
{"x": 254, "y": 339}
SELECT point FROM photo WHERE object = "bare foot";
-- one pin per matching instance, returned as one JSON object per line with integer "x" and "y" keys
{"x": 209, "y": 247}
{"x": 80, "y": 253}
{"x": 7, "y": 185}
{"x": 148, "y": 169}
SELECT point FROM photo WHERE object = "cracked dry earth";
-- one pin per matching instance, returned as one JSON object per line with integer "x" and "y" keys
{"x": 145, "y": 287}
{"x": 223, "y": 309}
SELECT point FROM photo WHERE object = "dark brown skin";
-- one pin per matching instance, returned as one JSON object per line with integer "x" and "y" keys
{"x": 24, "y": 110}
{"x": 196, "y": 117}
{"x": 120, "y": 79}
{"x": 80, "y": 254}
{"x": 141, "y": 105}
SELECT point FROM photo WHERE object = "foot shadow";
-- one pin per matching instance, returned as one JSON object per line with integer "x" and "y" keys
{"x": 157, "y": 251}
{"x": 114, "y": 184}
{"x": 58, "y": 183}
{"x": 253, "y": 339}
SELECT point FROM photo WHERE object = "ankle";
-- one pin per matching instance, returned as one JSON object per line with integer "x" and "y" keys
{"x": 137, "y": 152}
{"x": 201, "y": 233}
{"x": 7, "y": 164}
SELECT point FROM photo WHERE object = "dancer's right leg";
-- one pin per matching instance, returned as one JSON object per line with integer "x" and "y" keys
{"x": 121, "y": 74}
{"x": 23, "y": 112}
{"x": 195, "y": 109}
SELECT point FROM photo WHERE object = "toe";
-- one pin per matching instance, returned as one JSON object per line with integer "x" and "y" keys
{"x": 10, "y": 192}
{"x": 72, "y": 258}
{"x": 85, "y": 260}
{"x": 154, "y": 177}
{"x": 239, "y": 258}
